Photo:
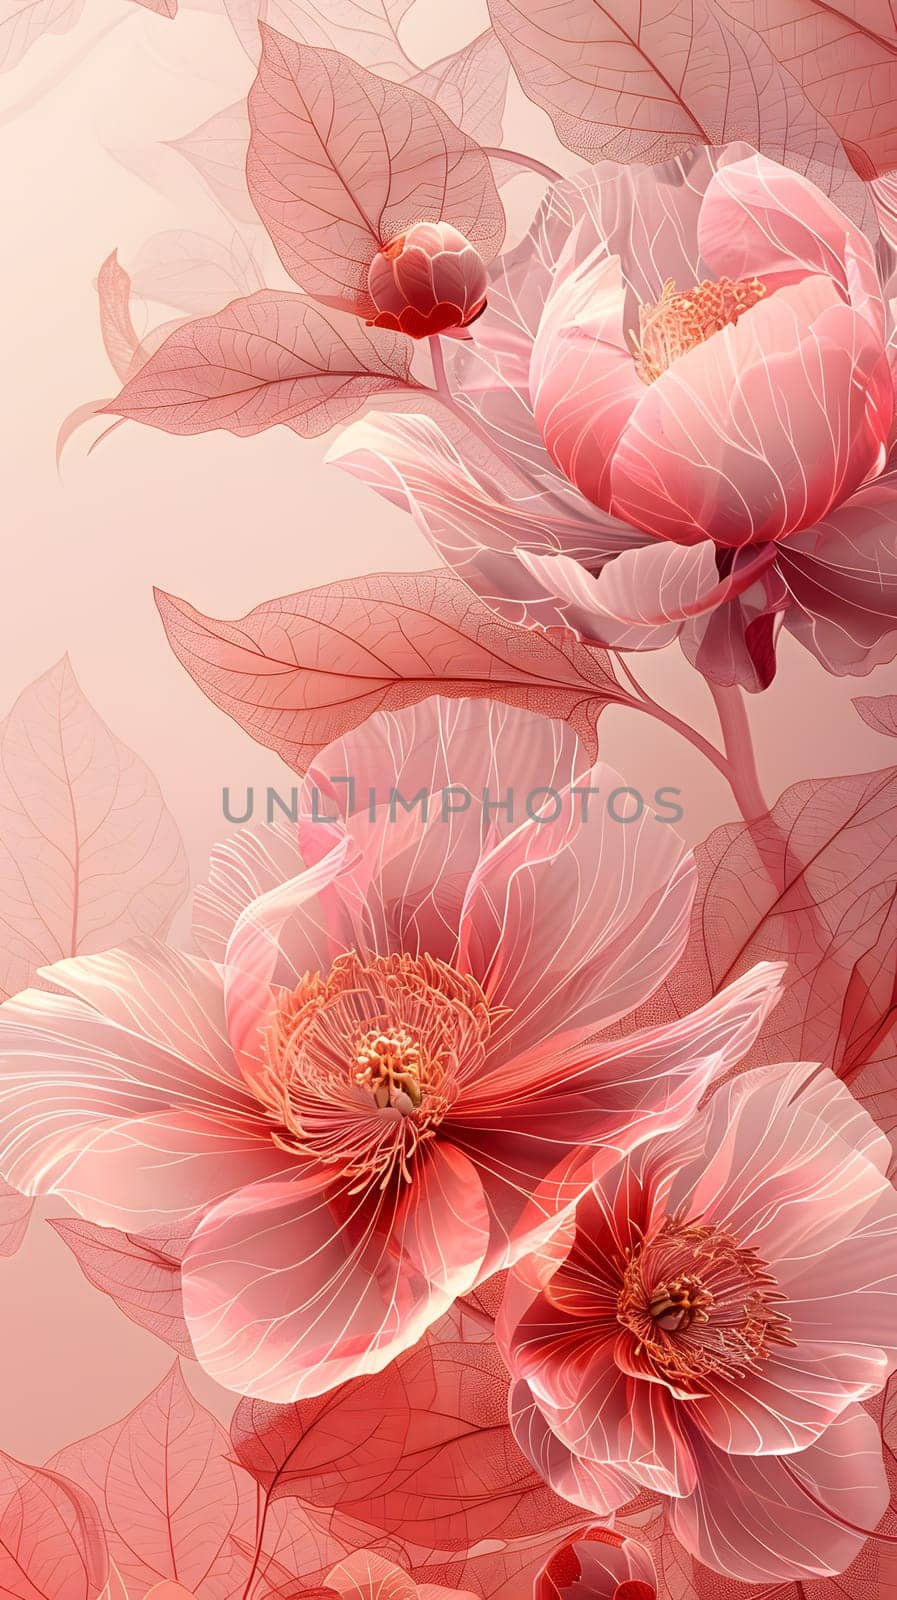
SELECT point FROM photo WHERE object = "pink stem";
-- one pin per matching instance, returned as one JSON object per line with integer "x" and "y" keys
{"x": 739, "y": 748}
{"x": 518, "y": 159}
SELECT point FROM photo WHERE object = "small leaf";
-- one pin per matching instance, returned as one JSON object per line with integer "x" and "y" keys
{"x": 51, "y": 1540}
{"x": 169, "y": 1496}
{"x": 89, "y": 854}
{"x": 340, "y": 161}
{"x": 140, "y": 1272}
{"x": 471, "y": 86}
{"x": 15, "y": 1210}
{"x": 270, "y": 359}
{"x": 880, "y": 711}
{"x": 24, "y": 21}
{"x": 298, "y": 672}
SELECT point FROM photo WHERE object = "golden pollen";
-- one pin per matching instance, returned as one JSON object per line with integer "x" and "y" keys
{"x": 361, "y": 1065}
{"x": 679, "y": 321}
{"x": 388, "y": 1062}
{"x": 698, "y": 1303}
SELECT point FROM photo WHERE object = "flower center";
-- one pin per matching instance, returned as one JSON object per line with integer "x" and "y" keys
{"x": 361, "y": 1066}
{"x": 388, "y": 1063}
{"x": 700, "y": 1303}
{"x": 679, "y": 321}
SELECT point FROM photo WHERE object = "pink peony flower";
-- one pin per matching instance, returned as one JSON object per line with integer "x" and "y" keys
{"x": 427, "y": 280}
{"x": 708, "y": 1323}
{"x": 597, "y": 1565}
{"x": 368, "y": 1091}
{"x": 682, "y": 393}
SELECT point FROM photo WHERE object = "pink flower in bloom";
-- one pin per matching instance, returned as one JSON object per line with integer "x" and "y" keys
{"x": 597, "y": 1565}
{"x": 368, "y": 1091}
{"x": 685, "y": 376}
{"x": 707, "y": 1324}
{"x": 427, "y": 280}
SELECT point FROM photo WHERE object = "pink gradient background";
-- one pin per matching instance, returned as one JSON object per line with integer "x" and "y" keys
{"x": 225, "y": 523}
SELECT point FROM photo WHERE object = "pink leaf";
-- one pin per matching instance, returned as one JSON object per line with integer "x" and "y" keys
{"x": 169, "y": 1496}
{"x": 471, "y": 86}
{"x": 15, "y": 1210}
{"x": 51, "y": 1540}
{"x": 270, "y": 359}
{"x": 89, "y": 854}
{"x": 645, "y": 82}
{"x": 813, "y": 884}
{"x": 843, "y": 54}
{"x": 194, "y": 272}
{"x": 340, "y": 161}
{"x": 368, "y": 30}
{"x": 423, "y": 1451}
{"x": 140, "y": 1272}
{"x": 298, "y": 672}
{"x": 217, "y": 150}
{"x": 24, "y": 21}
{"x": 880, "y": 711}
{"x": 164, "y": 8}
{"x": 119, "y": 336}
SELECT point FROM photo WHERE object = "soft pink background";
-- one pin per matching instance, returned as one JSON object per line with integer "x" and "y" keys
{"x": 225, "y": 523}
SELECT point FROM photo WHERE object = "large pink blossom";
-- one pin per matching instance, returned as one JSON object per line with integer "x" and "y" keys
{"x": 361, "y": 1091}
{"x": 708, "y": 1324}
{"x": 681, "y": 408}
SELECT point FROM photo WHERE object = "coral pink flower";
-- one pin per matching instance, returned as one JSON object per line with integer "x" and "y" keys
{"x": 686, "y": 374}
{"x": 597, "y": 1565}
{"x": 427, "y": 280}
{"x": 707, "y": 1324}
{"x": 362, "y": 1092}
{"x": 367, "y": 1576}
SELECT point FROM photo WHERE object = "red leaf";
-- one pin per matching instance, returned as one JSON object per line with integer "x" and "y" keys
{"x": 423, "y": 1451}
{"x": 15, "y": 1210}
{"x": 51, "y": 1540}
{"x": 140, "y": 1272}
{"x": 298, "y": 672}
{"x": 340, "y": 161}
{"x": 645, "y": 82}
{"x": 880, "y": 711}
{"x": 270, "y": 359}
{"x": 168, "y": 1493}
{"x": 89, "y": 854}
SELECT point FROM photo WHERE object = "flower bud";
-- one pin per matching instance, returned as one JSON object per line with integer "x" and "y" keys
{"x": 427, "y": 280}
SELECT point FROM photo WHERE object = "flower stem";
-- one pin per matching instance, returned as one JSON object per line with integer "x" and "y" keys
{"x": 518, "y": 159}
{"x": 739, "y": 748}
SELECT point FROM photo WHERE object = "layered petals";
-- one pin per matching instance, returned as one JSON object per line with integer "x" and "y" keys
{"x": 706, "y": 1325}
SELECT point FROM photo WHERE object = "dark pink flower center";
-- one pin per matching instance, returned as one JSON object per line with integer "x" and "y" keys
{"x": 361, "y": 1066}
{"x": 679, "y": 321}
{"x": 698, "y": 1302}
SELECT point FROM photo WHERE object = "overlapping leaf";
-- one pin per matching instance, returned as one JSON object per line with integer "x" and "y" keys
{"x": 298, "y": 672}
{"x": 140, "y": 1272}
{"x": 340, "y": 161}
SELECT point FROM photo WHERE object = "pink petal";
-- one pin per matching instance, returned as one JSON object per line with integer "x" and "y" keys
{"x": 584, "y": 381}
{"x": 763, "y": 220}
{"x": 762, "y": 428}
{"x": 597, "y": 1487}
{"x": 519, "y": 1123}
{"x": 362, "y": 1275}
{"x": 246, "y": 866}
{"x": 842, "y": 578}
{"x": 367, "y": 1576}
{"x": 756, "y": 1518}
{"x": 141, "y": 1114}
{"x": 572, "y": 920}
